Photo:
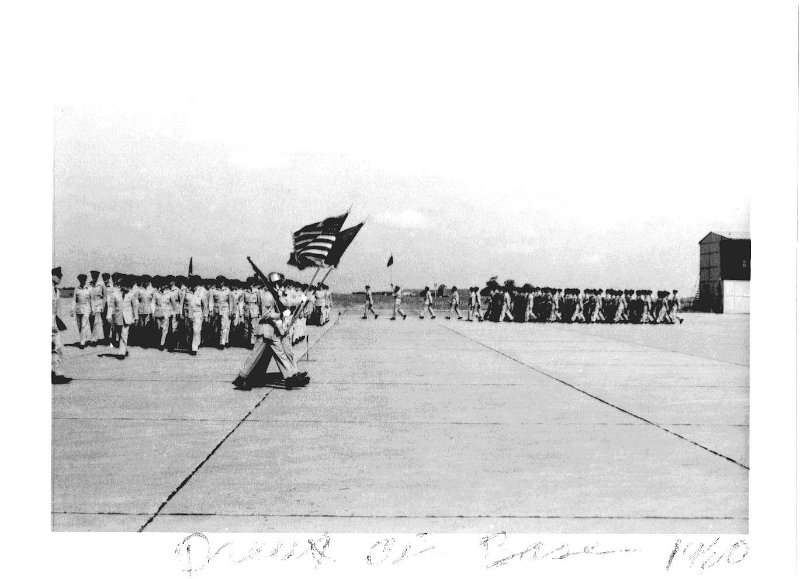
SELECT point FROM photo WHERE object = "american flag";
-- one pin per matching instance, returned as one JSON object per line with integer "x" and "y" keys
{"x": 313, "y": 243}
{"x": 343, "y": 241}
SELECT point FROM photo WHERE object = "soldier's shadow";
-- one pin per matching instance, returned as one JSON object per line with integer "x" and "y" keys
{"x": 269, "y": 380}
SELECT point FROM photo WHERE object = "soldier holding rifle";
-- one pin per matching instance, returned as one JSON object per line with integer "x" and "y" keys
{"x": 272, "y": 338}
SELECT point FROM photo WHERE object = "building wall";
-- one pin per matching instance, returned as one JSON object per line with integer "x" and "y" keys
{"x": 736, "y": 296}
{"x": 735, "y": 259}
{"x": 724, "y": 260}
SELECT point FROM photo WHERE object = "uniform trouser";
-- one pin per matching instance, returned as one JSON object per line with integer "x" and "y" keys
{"x": 475, "y": 311}
{"x": 454, "y": 310}
{"x": 164, "y": 325}
{"x": 427, "y": 309}
{"x": 143, "y": 329}
{"x": 224, "y": 323}
{"x": 197, "y": 331}
{"x": 55, "y": 353}
{"x": 397, "y": 310}
{"x": 107, "y": 326}
{"x": 506, "y": 313}
{"x": 263, "y": 352}
{"x": 113, "y": 334}
{"x": 188, "y": 330}
{"x": 250, "y": 326}
{"x": 368, "y": 308}
{"x": 123, "y": 331}
{"x": 96, "y": 326}
{"x": 83, "y": 327}
{"x": 673, "y": 313}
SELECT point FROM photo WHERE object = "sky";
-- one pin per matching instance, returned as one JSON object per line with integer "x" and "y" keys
{"x": 581, "y": 145}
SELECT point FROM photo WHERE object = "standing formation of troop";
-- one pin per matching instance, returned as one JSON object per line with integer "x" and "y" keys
{"x": 179, "y": 313}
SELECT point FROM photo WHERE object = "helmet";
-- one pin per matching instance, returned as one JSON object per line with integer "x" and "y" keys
{"x": 275, "y": 277}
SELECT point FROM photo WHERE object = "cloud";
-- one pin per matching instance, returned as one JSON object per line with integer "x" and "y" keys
{"x": 258, "y": 158}
{"x": 406, "y": 219}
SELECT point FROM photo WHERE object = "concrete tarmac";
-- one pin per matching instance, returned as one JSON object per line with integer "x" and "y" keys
{"x": 409, "y": 426}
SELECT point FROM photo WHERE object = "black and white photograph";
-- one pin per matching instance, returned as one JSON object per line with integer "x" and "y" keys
{"x": 419, "y": 271}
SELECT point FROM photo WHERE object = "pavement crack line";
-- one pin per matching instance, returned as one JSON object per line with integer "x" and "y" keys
{"x": 220, "y": 443}
{"x": 597, "y": 398}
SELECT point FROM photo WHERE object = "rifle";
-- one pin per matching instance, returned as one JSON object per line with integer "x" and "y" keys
{"x": 281, "y": 306}
{"x": 275, "y": 296}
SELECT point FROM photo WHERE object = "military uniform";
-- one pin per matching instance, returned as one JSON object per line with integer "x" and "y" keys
{"x": 474, "y": 305}
{"x": 196, "y": 311}
{"x": 124, "y": 312}
{"x": 454, "y": 302}
{"x": 506, "y": 312}
{"x": 237, "y": 321}
{"x": 369, "y": 304}
{"x": 222, "y": 299}
{"x": 428, "y": 304}
{"x": 271, "y": 342}
{"x": 98, "y": 308}
{"x": 56, "y": 349}
{"x": 163, "y": 313}
{"x": 398, "y": 299}
{"x": 82, "y": 309}
{"x": 143, "y": 297}
{"x": 252, "y": 313}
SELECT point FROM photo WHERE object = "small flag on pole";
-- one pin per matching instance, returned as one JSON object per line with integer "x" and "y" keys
{"x": 391, "y": 261}
{"x": 190, "y": 266}
{"x": 313, "y": 242}
{"x": 343, "y": 241}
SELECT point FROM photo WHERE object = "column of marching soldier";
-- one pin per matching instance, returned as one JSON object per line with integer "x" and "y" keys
{"x": 178, "y": 313}
{"x": 509, "y": 303}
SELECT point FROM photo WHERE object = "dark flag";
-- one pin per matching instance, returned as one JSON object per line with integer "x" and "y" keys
{"x": 391, "y": 261}
{"x": 343, "y": 241}
{"x": 313, "y": 242}
{"x": 190, "y": 266}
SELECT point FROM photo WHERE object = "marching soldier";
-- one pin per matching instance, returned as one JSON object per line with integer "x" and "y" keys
{"x": 506, "y": 312}
{"x": 674, "y": 305}
{"x": 123, "y": 313}
{"x": 56, "y": 349}
{"x": 237, "y": 323}
{"x": 271, "y": 342}
{"x": 474, "y": 305}
{"x": 252, "y": 312}
{"x": 428, "y": 304}
{"x": 223, "y": 310}
{"x": 319, "y": 305}
{"x": 454, "y": 300}
{"x": 163, "y": 313}
{"x": 143, "y": 297}
{"x": 82, "y": 309}
{"x": 98, "y": 306}
{"x": 398, "y": 298}
{"x": 368, "y": 304}
{"x": 176, "y": 306}
{"x": 196, "y": 312}
{"x": 328, "y": 302}
{"x": 108, "y": 326}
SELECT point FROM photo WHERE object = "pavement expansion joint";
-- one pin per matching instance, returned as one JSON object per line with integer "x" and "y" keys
{"x": 629, "y": 413}
{"x": 221, "y": 442}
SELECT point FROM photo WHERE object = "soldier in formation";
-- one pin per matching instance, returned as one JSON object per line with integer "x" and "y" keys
{"x": 571, "y": 305}
{"x": 369, "y": 303}
{"x": 179, "y": 313}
